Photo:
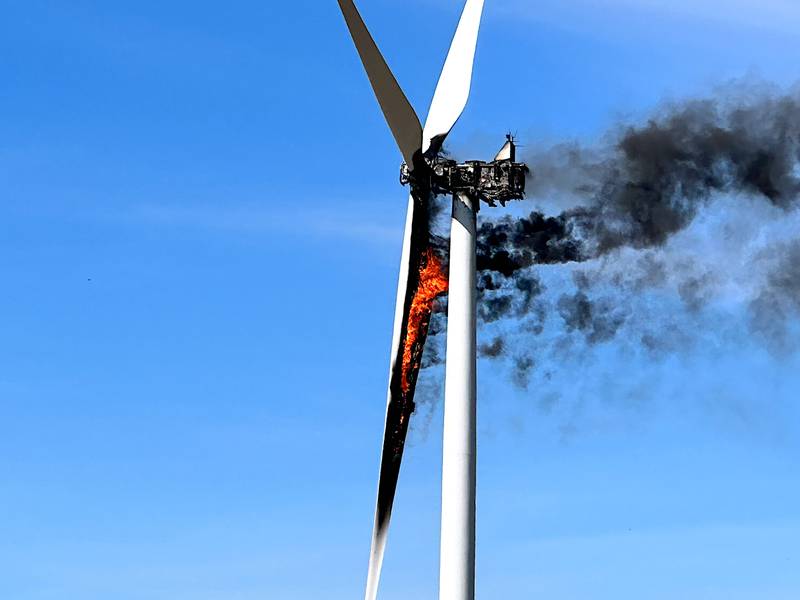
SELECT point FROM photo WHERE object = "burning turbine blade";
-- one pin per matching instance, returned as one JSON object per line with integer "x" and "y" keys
{"x": 390, "y": 469}
{"x": 421, "y": 282}
{"x": 397, "y": 110}
{"x": 452, "y": 91}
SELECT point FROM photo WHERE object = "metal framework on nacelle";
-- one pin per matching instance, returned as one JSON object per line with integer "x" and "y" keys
{"x": 499, "y": 181}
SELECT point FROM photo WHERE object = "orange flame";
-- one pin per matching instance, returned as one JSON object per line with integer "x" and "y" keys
{"x": 432, "y": 283}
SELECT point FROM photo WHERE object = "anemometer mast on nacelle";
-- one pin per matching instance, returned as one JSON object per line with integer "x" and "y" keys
{"x": 501, "y": 180}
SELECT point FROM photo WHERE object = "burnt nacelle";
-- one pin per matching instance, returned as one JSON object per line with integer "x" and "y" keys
{"x": 501, "y": 180}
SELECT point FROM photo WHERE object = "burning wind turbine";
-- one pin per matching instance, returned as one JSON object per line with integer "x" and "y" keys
{"x": 422, "y": 280}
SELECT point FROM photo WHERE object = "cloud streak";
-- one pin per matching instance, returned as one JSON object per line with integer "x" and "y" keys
{"x": 349, "y": 223}
{"x": 774, "y": 15}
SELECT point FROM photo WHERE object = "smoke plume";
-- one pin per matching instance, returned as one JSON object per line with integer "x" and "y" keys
{"x": 623, "y": 202}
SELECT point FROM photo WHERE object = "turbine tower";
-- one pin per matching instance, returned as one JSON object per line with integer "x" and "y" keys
{"x": 428, "y": 173}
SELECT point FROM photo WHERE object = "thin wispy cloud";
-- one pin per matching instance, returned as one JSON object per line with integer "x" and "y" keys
{"x": 780, "y": 14}
{"x": 344, "y": 224}
{"x": 775, "y": 15}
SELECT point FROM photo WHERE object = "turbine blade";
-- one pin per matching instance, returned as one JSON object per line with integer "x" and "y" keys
{"x": 392, "y": 436}
{"x": 397, "y": 110}
{"x": 403, "y": 370}
{"x": 452, "y": 90}
{"x": 398, "y": 416}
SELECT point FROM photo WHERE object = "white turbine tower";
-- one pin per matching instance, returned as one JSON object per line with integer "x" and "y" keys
{"x": 429, "y": 174}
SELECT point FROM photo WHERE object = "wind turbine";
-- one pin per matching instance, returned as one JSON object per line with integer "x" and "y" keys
{"x": 421, "y": 280}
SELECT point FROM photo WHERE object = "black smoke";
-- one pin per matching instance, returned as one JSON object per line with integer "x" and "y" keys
{"x": 647, "y": 183}
{"x": 652, "y": 181}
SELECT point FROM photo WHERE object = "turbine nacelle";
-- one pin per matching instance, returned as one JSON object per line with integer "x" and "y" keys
{"x": 501, "y": 180}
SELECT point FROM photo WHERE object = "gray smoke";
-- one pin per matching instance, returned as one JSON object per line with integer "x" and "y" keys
{"x": 777, "y": 306}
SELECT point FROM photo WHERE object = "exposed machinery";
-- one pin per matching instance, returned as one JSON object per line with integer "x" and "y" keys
{"x": 501, "y": 180}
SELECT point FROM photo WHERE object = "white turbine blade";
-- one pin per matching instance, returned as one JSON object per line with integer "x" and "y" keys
{"x": 390, "y": 462}
{"x": 452, "y": 90}
{"x": 397, "y": 110}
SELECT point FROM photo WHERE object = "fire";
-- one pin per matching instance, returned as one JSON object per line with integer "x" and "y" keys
{"x": 432, "y": 283}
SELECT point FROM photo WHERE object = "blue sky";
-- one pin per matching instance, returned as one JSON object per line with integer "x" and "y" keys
{"x": 199, "y": 236}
